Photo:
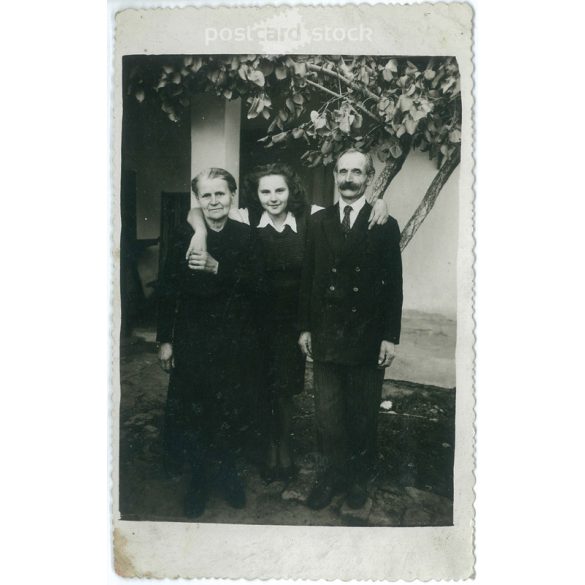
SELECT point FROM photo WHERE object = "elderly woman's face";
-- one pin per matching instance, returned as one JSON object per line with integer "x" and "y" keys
{"x": 273, "y": 194}
{"x": 215, "y": 198}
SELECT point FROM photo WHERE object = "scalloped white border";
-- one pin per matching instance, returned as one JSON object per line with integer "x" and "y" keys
{"x": 163, "y": 549}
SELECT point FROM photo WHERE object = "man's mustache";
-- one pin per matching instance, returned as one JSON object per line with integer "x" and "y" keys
{"x": 346, "y": 185}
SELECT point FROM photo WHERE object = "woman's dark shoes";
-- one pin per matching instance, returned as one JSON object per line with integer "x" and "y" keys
{"x": 233, "y": 491}
{"x": 289, "y": 473}
{"x": 269, "y": 474}
{"x": 195, "y": 501}
{"x": 173, "y": 467}
{"x": 357, "y": 496}
{"x": 322, "y": 492}
{"x": 270, "y": 471}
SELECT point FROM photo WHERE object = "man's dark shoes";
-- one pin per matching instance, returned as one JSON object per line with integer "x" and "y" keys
{"x": 357, "y": 496}
{"x": 269, "y": 474}
{"x": 195, "y": 499}
{"x": 233, "y": 490}
{"x": 287, "y": 474}
{"x": 322, "y": 493}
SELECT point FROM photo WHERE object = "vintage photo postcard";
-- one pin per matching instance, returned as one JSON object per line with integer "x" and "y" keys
{"x": 292, "y": 332}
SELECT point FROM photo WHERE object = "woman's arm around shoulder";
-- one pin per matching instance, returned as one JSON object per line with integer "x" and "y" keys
{"x": 198, "y": 242}
{"x": 240, "y": 214}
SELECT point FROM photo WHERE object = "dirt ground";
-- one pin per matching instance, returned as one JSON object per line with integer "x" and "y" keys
{"x": 412, "y": 484}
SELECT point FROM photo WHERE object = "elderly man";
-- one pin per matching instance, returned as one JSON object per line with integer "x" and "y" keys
{"x": 350, "y": 313}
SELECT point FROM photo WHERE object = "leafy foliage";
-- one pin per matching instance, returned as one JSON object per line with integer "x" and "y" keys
{"x": 329, "y": 102}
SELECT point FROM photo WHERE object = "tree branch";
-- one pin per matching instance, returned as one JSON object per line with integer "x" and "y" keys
{"x": 357, "y": 106}
{"x": 430, "y": 197}
{"x": 348, "y": 82}
{"x": 390, "y": 170}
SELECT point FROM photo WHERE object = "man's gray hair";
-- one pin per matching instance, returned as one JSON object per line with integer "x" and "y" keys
{"x": 370, "y": 170}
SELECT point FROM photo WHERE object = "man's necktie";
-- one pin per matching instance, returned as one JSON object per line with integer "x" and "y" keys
{"x": 345, "y": 225}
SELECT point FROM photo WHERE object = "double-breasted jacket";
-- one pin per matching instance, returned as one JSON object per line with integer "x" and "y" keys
{"x": 351, "y": 290}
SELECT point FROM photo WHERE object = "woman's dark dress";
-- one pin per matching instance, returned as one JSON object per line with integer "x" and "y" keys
{"x": 207, "y": 318}
{"x": 283, "y": 262}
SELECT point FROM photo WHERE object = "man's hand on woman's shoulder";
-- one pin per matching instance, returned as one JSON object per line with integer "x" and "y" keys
{"x": 379, "y": 214}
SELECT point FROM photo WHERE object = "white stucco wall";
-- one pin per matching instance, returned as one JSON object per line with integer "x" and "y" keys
{"x": 215, "y": 135}
{"x": 430, "y": 259}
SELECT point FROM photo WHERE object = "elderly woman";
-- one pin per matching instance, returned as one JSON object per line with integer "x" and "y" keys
{"x": 203, "y": 314}
{"x": 278, "y": 210}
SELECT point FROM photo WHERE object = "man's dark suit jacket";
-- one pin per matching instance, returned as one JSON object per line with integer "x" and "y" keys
{"x": 351, "y": 291}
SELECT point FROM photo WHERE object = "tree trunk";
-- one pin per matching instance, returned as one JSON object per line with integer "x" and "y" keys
{"x": 429, "y": 199}
{"x": 390, "y": 170}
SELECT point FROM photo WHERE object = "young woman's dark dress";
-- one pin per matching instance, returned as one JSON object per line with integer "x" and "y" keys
{"x": 284, "y": 363}
{"x": 208, "y": 320}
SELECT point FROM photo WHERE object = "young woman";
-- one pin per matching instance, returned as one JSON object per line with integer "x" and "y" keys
{"x": 278, "y": 210}
{"x": 203, "y": 314}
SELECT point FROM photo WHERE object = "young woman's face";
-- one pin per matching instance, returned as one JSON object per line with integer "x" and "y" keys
{"x": 273, "y": 194}
{"x": 215, "y": 198}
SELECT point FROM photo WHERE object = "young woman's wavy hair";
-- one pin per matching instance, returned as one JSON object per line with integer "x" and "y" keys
{"x": 297, "y": 199}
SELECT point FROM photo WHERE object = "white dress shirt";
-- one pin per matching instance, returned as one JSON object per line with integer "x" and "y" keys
{"x": 290, "y": 220}
{"x": 243, "y": 216}
{"x": 356, "y": 208}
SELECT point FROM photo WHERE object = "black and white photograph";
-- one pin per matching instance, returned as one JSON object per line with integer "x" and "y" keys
{"x": 271, "y": 371}
{"x": 289, "y": 283}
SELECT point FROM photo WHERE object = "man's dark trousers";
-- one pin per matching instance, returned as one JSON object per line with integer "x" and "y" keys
{"x": 347, "y": 399}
